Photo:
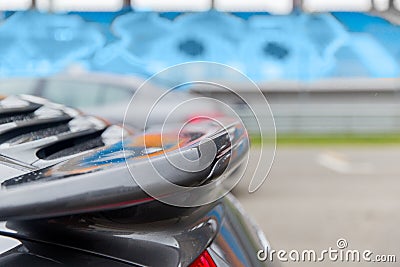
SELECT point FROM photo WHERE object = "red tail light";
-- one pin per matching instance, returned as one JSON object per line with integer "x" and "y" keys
{"x": 204, "y": 260}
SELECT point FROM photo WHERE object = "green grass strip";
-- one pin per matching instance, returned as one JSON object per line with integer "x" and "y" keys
{"x": 334, "y": 139}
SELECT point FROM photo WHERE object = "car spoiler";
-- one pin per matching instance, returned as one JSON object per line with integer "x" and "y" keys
{"x": 57, "y": 161}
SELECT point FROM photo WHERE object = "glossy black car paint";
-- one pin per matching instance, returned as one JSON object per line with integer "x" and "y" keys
{"x": 107, "y": 220}
{"x": 138, "y": 237}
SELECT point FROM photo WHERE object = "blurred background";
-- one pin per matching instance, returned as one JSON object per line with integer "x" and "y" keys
{"x": 330, "y": 70}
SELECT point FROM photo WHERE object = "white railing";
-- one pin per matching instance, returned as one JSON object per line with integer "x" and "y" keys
{"x": 81, "y": 5}
{"x": 275, "y": 7}
{"x": 15, "y": 5}
{"x": 175, "y": 5}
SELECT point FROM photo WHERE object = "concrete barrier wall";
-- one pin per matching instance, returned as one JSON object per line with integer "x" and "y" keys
{"x": 323, "y": 111}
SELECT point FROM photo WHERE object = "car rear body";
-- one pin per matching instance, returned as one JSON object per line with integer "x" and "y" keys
{"x": 68, "y": 198}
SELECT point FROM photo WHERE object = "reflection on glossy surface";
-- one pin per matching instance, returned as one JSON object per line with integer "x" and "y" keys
{"x": 135, "y": 147}
{"x": 84, "y": 168}
{"x": 152, "y": 235}
{"x": 176, "y": 237}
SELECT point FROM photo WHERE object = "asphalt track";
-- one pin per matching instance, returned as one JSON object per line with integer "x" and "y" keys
{"x": 316, "y": 195}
